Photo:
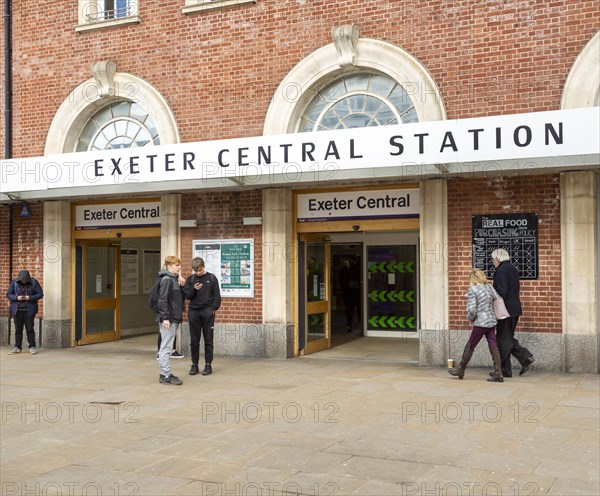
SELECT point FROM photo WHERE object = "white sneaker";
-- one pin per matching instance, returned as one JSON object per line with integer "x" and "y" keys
{"x": 14, "y": 351}
{"x": 32, "y": 350}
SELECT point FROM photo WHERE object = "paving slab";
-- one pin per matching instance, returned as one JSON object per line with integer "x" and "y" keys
{"x": 95, "y": 420}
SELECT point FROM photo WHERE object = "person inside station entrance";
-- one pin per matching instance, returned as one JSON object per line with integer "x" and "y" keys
{"x": 353, "y": 292}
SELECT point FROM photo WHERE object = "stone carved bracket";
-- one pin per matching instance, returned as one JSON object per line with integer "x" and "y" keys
{"x": 104, "y": 74}
{"x": 345, "y": 39}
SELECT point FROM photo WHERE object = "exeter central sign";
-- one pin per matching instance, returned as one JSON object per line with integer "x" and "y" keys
{"x": 521, "y": 141}
{"x": 345, "y": 205}
{"x": 115, "y": 215}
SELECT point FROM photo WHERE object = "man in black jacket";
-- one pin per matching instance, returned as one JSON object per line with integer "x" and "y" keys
{"x": 202, "y": 289}
{"x": 506, "y": 284}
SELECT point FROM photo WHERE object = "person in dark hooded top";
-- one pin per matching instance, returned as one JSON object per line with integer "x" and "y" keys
{"x": 24, "y": 293}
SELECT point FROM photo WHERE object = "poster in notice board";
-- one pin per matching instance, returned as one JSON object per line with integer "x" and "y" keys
{"x": 516, "y": 233}
{"x": 232, "y": 261}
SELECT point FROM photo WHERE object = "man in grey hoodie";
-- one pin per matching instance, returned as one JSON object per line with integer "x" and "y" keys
{"x": 169, "y": 316}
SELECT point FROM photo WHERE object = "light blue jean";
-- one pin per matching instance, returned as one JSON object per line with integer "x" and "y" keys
{"x": 167, "y": 337}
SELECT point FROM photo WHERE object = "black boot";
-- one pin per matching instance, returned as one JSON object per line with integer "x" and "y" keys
{"x": 194, "y": 369}
{"x": 497, "y": 376}
{"x": 207, "y": 369}
{"x": 466, "y": 357}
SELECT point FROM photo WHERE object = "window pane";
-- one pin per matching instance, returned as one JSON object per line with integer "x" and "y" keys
{"x": 126, "y": 121}
{"x": 121, "y": 109}
{"x": 334, "y": 92}
{"x": 358, "y": 82}
{"x": 372, "y": 105}
{"x": 385, "y": 116}
{"x": 400, "y": 99}
{"x": 356, "y": 120}
{"x": 138, "y": 113}
{"x": 357, "y": 103}
{"x": 382, "y": 102}
{"x": 330, "y": 121}
{"x": 381, "y": 85}
{"x": 341, "y": 108}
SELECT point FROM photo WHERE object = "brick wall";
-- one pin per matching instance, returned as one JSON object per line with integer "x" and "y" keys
{"x": 220, "y": 216}
{"x": 28, "y": 249}
{"x": 541, "y": 298}
{"x": 219, "y": 69}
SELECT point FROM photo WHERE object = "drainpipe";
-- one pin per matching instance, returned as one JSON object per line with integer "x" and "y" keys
{"x": 7, "y": 79}
{"x": 8, "y": 126}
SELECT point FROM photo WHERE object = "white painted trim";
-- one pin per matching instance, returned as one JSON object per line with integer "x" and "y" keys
{"x": 322, "y": 67}
{"x": 196, "y": 6}
{"x": 582, "y": 87}
{"x": 84, "y": 101}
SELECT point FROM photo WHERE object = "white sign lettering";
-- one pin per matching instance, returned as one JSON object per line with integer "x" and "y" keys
{"x": 522, "y": 141}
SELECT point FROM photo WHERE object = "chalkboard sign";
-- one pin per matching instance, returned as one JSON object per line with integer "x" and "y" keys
{"x": 516, "y": 233}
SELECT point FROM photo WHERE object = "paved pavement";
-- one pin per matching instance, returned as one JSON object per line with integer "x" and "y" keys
{"x": 94, "y": 420}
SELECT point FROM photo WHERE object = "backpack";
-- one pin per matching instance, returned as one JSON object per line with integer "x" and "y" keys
{"x": 154, "y": 293}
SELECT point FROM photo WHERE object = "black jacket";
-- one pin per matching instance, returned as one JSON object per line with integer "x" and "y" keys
{"x": 170, "y": 298}
{"x": 506, "y": 283}
{"x": 209, "y": 294}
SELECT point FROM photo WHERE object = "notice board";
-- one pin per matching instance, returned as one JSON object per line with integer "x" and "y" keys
{"x": 232, "y": 261}
{"x": 516, "y": 233}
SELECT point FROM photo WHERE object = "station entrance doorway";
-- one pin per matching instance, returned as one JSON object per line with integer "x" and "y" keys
{"x": 355, "y": 286}
{"x": 115, "y": 258}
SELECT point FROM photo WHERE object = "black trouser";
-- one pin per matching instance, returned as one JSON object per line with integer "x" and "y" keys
{"x": 348, "y": 307}
{"x": 505, "y": 335}
{"x": 23, "y": 319}
{"x": 202, "y": 324}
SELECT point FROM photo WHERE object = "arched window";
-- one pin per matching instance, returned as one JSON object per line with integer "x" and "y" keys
{"x": 119, "y": 125}
{"x": 383, "y": 85}
{"x": 130, "y": 113}
{"x": 358, "y": 100}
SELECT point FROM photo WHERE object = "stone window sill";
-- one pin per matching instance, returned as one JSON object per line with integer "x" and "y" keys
{"x": 195, "y": 6}
{"x": 113, "y": 23}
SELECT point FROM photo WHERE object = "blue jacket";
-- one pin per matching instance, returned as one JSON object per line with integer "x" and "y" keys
{"x": 24, "y": 284}
{"x": 506, "y": 283}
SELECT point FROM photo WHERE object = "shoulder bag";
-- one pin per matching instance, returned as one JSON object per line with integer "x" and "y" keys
{"x": 499, "y": 307}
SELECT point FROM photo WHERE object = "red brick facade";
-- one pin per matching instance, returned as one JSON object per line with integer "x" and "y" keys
{"x": 541, "y": 298}
{"x": 220, "y": 216}
{"x": 27, "y": 248}
{"x": 220, "y": 69}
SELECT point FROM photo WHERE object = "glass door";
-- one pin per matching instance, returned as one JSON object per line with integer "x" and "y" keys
{"x": 96, "y": 288}
{"x": 315, "y": 321}
{"x": 391, "y": 290}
